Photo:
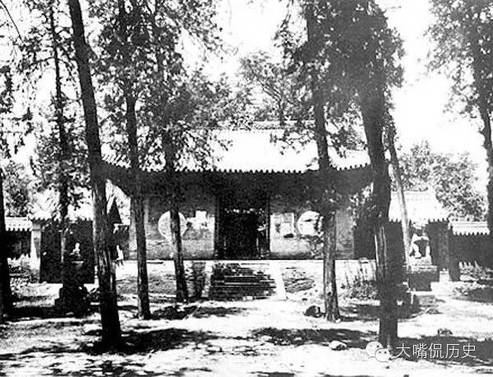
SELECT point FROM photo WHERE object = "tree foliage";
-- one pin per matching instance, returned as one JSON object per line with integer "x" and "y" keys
{"x": 171, "y": 98}
{"x": 61, "y": 154}
{"x": 463, "y": 36}
{"x": 451, "y": 176}
{"x": 282, "y": 95}
{"x": 17, "y": 186}
{"x": 463, "y": 49}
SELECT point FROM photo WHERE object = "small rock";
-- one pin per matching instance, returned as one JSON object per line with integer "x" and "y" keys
{"x": 214, "y": 349}
{"x": 444, "y": 332}
{"x": 313, "y": 311}
{"x": 91, "y": 329}
{"x": 336, "y": 345}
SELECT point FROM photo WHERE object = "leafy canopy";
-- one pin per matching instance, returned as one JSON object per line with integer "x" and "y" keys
{"x": 463, "y": 49}
{"x": 451, "y": 176}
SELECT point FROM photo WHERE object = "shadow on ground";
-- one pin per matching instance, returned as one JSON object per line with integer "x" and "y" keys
{"x": 132, "y": 343}
{"x": 100, "y": 368}
{"x": 44, "y": 312}
{"x": 287, "y": 337}
{"x": 155, "y": 340}
{"x": 290, "y": 374}
{"x": 217, "y": 311}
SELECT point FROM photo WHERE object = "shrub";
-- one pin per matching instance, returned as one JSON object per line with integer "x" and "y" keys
{"x": 362, "y": 289}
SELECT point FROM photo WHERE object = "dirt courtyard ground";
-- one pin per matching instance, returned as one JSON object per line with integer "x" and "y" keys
{"x": 249, "y": 338}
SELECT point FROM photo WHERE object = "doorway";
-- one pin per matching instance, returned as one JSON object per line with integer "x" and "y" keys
{"x": 243, "y": 231}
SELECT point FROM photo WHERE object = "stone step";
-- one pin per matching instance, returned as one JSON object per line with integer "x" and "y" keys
{"x": 241, "y": 280}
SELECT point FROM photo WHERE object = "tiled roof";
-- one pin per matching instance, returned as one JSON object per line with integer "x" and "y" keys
{"x": 258, "y": 150}
{"x": 468, "y": 228}
{"x": 18, "y": 224}
{"x": 422, "y": 207}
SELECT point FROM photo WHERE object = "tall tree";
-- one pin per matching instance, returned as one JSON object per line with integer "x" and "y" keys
{"x": 152, "y": 76}
{"x": 326, "y": 171}
{"x": 64, "y": 152}
{"x": 60, "y": 123}
{"x": 326, "y": 103}
{"x": 46, "y": 52}
{"x": 123, "y": 69}
{"x": 170, "y": 97}
{"x": 362, "y": 50}
{"x": 463, "y": 36}
{"x": 373, "y": 67}
{"x": 111, "y": 332}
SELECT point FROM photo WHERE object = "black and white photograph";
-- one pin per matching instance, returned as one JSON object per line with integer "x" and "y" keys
{"x": 257, "y": 188}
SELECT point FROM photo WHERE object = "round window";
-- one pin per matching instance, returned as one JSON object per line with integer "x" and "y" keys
{"x": 164, "y": 225}
{"x": 309, "y": 223}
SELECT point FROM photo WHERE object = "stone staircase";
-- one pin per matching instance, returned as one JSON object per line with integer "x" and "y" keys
{"x": 243, "y": 280}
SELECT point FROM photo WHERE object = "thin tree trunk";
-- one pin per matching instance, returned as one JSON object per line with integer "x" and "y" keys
{"x": 331, "y": 301}
{"x": 396, "y": 171}
{"x": 5, "y": 291}
{"x": 143, "y": 308}
{"x": 111, "y": 333}
{"x": 137, "y": 200}
{"x": 181, "y": 282}
{"x": 487, "y": 143}
{"x": 327, "y": 192}
{"x": 488, "y": 146}
{"x": 64, "y": 152}
{"x": 373, "y": 110}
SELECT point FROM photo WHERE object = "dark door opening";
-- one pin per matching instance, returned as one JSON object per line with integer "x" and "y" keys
{"x": 242, "y": 233}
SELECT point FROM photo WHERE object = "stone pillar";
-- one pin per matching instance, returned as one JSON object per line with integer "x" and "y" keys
{"x": 35, "y": 251}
